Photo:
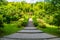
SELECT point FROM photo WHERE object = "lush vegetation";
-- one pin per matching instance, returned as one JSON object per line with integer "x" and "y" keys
{"x": 47, "y": 16}
{"x": 14, "y": 16}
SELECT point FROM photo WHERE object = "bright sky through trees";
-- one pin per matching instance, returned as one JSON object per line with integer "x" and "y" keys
{"x": 28, "y": 1}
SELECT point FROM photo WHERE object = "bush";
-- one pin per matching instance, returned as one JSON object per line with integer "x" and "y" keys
{"x": 1, "y": 21}
{"x": 42, "y": 25}
{"x": 35, "y": 21}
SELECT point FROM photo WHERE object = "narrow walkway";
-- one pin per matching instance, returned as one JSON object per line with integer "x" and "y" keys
{"x": 30, "y": 33}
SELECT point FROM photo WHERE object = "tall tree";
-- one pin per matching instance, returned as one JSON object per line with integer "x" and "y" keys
{"x": 3, "y": 2}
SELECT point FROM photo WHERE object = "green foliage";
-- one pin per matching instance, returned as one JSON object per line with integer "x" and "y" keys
{"x": 49, "y": 13}
{"x": 3, "y": 2}
{"x": 13, "y": 16}
{"x": 1, "y": 21}
{"x": 35, "y": 21}
{"x": 18, "y": 13}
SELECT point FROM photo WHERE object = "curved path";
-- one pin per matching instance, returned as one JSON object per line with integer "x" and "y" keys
{"x": 30, "y": 33}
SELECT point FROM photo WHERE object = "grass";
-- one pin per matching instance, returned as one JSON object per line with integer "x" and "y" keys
{"x": 9, "y": 29}
{"x": 13, "y": 27}
{"x": 50, "y": 30}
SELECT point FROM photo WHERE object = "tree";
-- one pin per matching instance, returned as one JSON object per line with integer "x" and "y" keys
{"x": 3, "y": 2}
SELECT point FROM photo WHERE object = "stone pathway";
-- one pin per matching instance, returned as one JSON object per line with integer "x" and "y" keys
{"x": 30, "y": 33}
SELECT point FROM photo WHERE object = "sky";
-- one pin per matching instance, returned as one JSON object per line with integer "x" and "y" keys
{"x": 28, "y": 1}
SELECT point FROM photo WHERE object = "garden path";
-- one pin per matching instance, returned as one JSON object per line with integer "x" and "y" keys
{"x": 30, "y": 33}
